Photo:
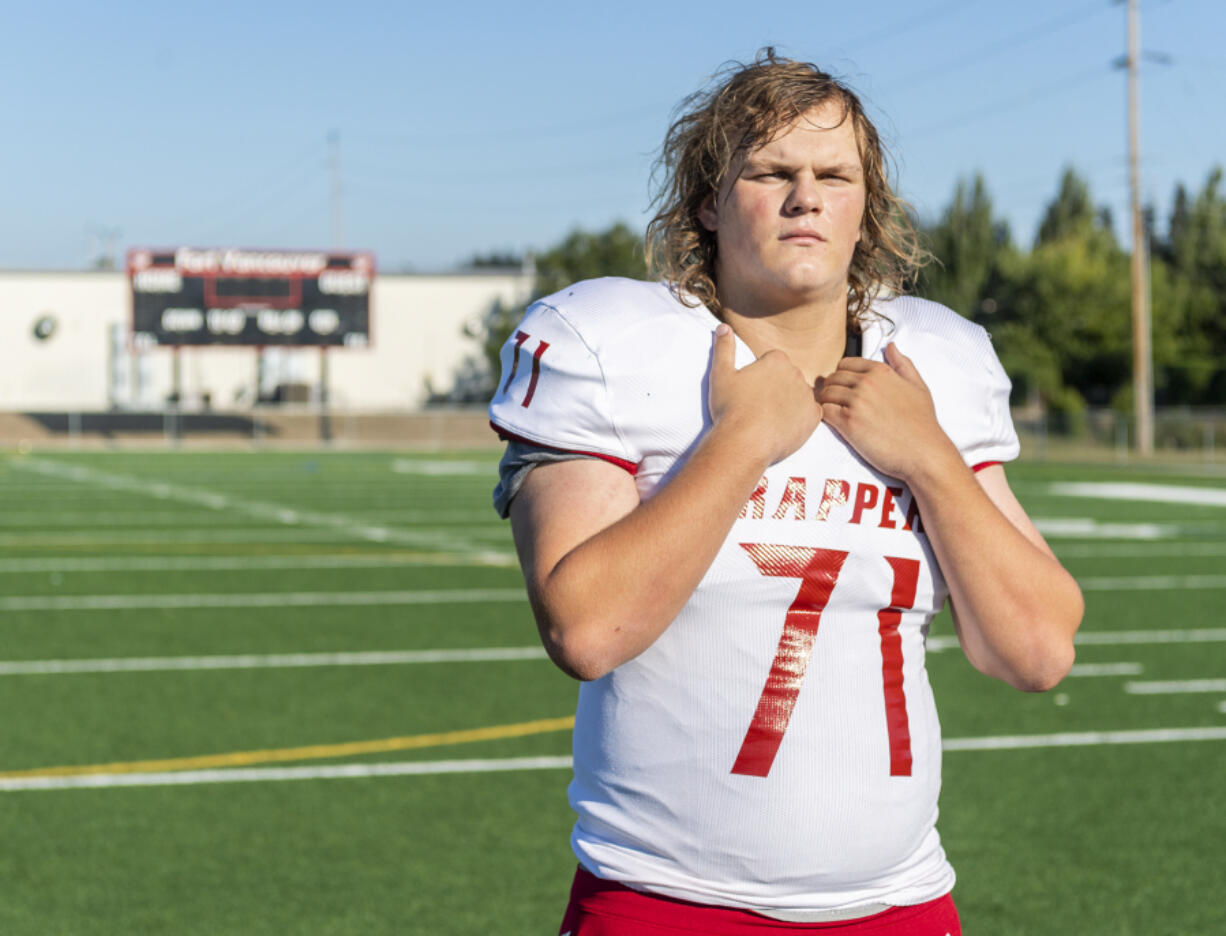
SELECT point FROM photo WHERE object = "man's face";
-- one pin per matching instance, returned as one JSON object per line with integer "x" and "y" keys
{"x": 788, "y": 218}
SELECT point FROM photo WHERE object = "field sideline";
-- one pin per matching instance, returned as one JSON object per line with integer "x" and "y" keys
{"x": 301, "y": 692}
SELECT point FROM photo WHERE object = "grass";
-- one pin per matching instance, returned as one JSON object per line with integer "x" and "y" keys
{"x": 1081, "y": 840}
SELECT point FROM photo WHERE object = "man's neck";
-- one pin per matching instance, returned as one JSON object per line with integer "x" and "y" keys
{"x": 813, "y": 335}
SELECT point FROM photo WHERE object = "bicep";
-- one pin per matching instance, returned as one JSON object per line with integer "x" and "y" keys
{"x": 562, "y": 505}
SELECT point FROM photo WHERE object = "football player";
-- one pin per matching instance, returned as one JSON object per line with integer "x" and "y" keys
{"x": 739, "y": 496}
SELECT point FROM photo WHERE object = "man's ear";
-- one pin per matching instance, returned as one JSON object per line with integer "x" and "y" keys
{"x": 708, "y": 214}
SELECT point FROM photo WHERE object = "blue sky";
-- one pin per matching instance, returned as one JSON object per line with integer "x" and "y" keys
{"x": 478, "y": 127}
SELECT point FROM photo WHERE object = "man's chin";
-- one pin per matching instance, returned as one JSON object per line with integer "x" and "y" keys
{"x": 811, "y": 290}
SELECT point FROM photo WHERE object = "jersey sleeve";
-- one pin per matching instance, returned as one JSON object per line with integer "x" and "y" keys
{"x": 518, "y": 460}
{"x": 986, "y": 435}
{"x": 552, "y": 391}
{"x": 970, "y": 389}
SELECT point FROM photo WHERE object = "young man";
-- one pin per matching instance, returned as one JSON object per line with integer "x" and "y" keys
{"x": 739, "y": 496}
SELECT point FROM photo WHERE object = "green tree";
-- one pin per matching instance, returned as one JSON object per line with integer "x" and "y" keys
{"x": 1189, "y": 291}
{"x": 498, "y": 259}
{"x": 616, "y": 251}
{"x": 968, "y": 245}
{"x": 1062, "y": 318}
{"x": 1072, "y": 212}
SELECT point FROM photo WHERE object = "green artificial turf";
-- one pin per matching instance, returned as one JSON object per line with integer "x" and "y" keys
{"x": 1091, "y": 839}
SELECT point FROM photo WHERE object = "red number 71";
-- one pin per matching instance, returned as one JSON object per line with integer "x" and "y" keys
{"x": 818, "y": 571}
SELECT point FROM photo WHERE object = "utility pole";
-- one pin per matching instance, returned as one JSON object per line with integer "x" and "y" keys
{"x": 338, "y": 239}
{"x": 107, "y": 239}
{"x": 334, "y": 164}
{"x": 1142, "y": 357}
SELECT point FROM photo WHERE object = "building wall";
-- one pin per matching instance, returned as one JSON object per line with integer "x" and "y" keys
{"x": 423, "y": 328}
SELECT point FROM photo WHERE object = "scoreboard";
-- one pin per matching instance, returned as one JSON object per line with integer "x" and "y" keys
{"x": 230, "y": 296}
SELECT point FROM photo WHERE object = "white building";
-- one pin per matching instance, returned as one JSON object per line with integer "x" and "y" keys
{"x": 64, "y": 346}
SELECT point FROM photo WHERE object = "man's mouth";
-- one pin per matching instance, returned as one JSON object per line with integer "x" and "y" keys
{"x": 803, "y": 236}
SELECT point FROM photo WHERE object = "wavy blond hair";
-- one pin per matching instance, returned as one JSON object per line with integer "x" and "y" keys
{"x": 744, "y": 108}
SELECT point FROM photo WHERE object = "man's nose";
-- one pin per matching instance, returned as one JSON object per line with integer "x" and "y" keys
{"x": 804, "y": 197}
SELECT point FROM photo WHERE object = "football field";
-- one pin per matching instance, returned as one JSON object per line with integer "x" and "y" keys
{"x": 269, "y": 693}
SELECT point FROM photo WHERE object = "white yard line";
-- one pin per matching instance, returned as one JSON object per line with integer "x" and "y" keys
{"x": 1151, "y": 493}
{"x": 1089, "y": 528}
{"x": 418, "y": 768}
{"x": 290, "y": 532}
{"x": 1096, "y": 669}
{"x": 40, "y": 519}
{"x": 1146, "y": 551}
{"x": 251, "y": 774}
{"x": 252, "y": 563}
{"x": 1176, "y": 636}
{"x": 1151, "y": 582}
{"x": 446, "y": 469}
{"x": 266, "y": 661}
{"x": 461, "y": 596}
{"x": 259, "y": 600}
{"x": 1175, "y": 686}
{"x": 1111, "y": 638}
{"x": 53, "y": 517}
{"x": 1085, "y": 739}
{"x": 264, "y": 510}
{"x": 358, "y": 658}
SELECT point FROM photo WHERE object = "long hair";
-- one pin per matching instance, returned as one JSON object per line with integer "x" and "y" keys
{"x": 744, "y": 108}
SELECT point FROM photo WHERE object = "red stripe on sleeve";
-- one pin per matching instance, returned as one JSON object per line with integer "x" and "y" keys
{"x": 978, "y": 468}
{"x": 622, "y": 463}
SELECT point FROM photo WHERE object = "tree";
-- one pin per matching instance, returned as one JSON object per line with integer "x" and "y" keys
{"x": 495, "y": 259}
{"x": 1192, "y": 294}
{"x": 1062, "y": 324}
{"x": 1072, "y": 212}
{"x": 967, "y": 244}
{"x": 617, "y": 251}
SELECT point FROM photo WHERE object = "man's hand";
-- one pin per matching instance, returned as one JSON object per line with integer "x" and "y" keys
{"x": 768, "y": 403}
{"x": 883, "y": 411}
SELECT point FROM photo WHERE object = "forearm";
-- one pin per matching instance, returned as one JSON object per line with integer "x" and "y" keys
{"x": 608, "y": 598}
{"x": 1015, "y": 606}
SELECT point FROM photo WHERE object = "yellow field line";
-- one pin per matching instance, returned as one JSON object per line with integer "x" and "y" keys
{"x": 312, "y": 752}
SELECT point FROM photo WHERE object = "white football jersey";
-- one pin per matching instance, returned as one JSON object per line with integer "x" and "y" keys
{"x": 777, "y": 748}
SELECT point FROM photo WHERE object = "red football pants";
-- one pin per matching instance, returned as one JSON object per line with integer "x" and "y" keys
{"x": 605, "y": 908}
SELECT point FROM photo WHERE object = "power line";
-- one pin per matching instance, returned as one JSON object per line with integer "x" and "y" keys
{"x": 631, "y": 115}
{"x": 1047, "y": 89}
{"x": 991, "y": 51}
{"x": 481, "y": 174}
{"x": 290, "y": 184}
{"x": 927, "y": 18}
{"x": 294, "y": 164}
{"x": 494, "y": 135}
